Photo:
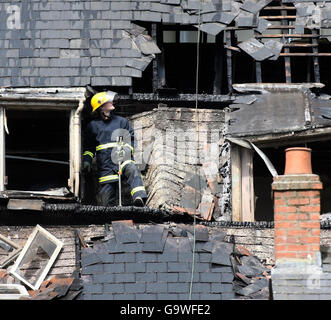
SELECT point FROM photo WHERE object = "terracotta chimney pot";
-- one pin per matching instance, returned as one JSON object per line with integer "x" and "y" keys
{"x": 298, "y": 161}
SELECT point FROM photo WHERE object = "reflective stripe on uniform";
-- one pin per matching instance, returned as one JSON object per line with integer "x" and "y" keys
{"x": 112, "y": 145}
{"x": 108, "y": 178}
{"x": 125, "y": 163}
{"x": 88, "y": 153}
{"x": 106, "y": 146}
{"x": 134, "y": 190}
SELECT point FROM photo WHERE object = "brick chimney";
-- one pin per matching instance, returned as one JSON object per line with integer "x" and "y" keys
{"x": 297, "y": 217}
{"x": 298, "y": 272}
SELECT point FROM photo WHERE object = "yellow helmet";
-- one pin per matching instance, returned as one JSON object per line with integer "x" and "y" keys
{"x": 102, "y": 97}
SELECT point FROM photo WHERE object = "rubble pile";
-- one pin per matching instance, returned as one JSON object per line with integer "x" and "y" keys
{"x": 251, "y": 276}
{"x": 58, "y": 287}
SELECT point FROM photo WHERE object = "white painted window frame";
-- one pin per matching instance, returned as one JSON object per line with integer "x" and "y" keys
{"x": 12, "y": 255}
{"x": 59, "y": 244}
{"x": 71, "y": 99}
{"x": 13, "y": 296}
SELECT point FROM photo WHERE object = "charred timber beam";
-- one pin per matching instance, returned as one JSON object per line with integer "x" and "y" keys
{"x": 288, "y": 75}
{"x": 218, "y": 65}
{"x": 279, "y": 8}
{"x": 150, "y": 97}
{"x": 155, "y": 79}
{"x": 301, "y": 45}
{"x": 280, "y": 35}
{"x": 250, "y": 28}
{"x": 315, "y": 57}
{"x": 306, "y": 54}
{"x": 282, "y": 17}
{"x": 229, "y": 61}
{"x": 258, "y": 70}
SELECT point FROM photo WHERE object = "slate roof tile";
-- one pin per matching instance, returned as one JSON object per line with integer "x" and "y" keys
{"x": 125, "y": 232}
{"x": 155, "y": 246}
{"x": 133, "y": 272}
{"x": 152, "y": 233}
{"x": 62, "y": 21}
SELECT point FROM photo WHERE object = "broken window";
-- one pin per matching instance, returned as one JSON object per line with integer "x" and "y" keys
{"x": 36, "y": 258}
{"x": 9, "y": 250}
{"x": 37, "y": 149}
{"x": 178, "y": 45}
{"x": 267, "y": 42}
{"x": 40, "y": 142}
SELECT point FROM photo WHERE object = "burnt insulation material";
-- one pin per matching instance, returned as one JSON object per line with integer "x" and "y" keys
{"x": 240, "y": 224}
{"x": 252, "y": 225}
{"x": 114, "y": 213}
{"x": 86, "y": 209}
{"x": 74, "y": 211}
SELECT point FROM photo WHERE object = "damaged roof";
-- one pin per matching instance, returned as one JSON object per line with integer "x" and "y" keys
{"x": 155, "y": 262}
{"x": 70, "y": 43}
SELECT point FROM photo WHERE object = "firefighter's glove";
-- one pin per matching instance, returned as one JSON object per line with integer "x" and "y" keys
{"x": 86, "y": 167}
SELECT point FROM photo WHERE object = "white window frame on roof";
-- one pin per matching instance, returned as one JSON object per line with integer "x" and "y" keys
{"x": 14, "y": 270}
{"x": 21, "y": 291}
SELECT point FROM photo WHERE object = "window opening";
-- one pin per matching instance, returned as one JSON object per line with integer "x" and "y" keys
{"x": 37, "y": 149}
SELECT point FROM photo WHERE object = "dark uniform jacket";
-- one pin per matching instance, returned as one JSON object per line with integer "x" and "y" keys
{"x": 100, "y": 140}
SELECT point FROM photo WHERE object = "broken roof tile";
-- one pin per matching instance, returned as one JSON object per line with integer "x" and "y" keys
{"x": 250, "y": 271}
{"x": 199, "y": 245}
{"x": 254, "y": 287}
{"x": 114, "y": 247}
{"x": 201, "y": 232}
{"x": 139, "y": 63}
{"x": 190, "y": 198}
{"x": 125, "y": 232}
{"x": 152, "y": 233}
{"x": 177, "y": 232}
{"x": 275, "y": 47}
{"x": 254, "y": 6}
{"x": 221, "y": 253}
{"x": 304, "y": 9}
{"x": 262, "y": 25}
{"x": 255, "y": 49}
{"x": 241, "y": 250}
{"x": 246, "y": 19}
{"x": 207, "y": 204}
{"x": 146, "y": 44}
{"x": 157, "y": 245}
{"x": 90, "y": 259}
{"x": 213, "y": 28}
{"x": 170, "y": 1}
{"x": 243, "y": 278}
{"x": 195, "y": 181}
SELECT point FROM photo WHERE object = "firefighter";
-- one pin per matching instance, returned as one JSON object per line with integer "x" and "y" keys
{"x": 102, "y": 138}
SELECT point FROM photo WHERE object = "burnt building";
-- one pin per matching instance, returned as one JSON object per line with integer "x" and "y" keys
{"x": 215, "y": 90}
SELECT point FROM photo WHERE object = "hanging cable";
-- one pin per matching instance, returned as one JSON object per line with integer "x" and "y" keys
{"x": 196, "y": 108}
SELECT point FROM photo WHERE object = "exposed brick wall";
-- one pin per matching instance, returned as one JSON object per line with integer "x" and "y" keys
{"x": 298, "y": 273}
{"x": 297, "y": 214}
